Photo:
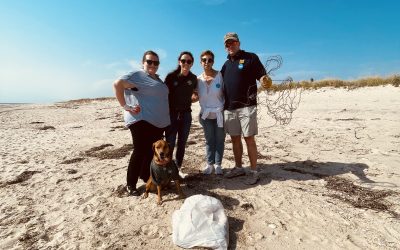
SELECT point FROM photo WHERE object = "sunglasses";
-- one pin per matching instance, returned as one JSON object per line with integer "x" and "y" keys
{"x": 228, "y": 44}
{"x": 183, "y": 61}
{"x": 207, "y": 60}
{"x": 150, "y": 62}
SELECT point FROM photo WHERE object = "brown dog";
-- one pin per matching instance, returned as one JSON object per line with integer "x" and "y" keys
{"x": 162, "y": 171}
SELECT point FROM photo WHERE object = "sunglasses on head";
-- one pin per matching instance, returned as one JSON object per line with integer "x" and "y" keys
{"x": 151, "y": 62}
{"x": 207, "y": 60}
{"x": 183, "y": 61}
{"x": 230, "y": 43}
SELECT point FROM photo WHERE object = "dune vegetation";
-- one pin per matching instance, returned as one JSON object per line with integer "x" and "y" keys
{"x": 337, "y": 83}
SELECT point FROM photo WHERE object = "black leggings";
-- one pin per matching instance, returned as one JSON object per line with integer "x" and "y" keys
{"x": 143, "y": 136}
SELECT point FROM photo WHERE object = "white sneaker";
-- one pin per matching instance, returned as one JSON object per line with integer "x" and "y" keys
{"x": 208, "y": 169}
{"x": 218, "y": 170}
{"x": 182, "y": 174}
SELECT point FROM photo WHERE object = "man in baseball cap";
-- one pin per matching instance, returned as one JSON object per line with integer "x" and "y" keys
{"x": 240, "y": 74}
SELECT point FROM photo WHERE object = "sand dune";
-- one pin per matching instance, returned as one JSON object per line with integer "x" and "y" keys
{"x": 329, "y": 180}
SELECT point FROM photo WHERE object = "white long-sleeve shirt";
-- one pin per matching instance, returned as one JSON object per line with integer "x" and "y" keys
{"x": 211, "y": 98}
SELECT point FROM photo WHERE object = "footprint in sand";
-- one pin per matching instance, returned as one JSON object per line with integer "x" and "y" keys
{"x": 87, "y": 209}
{"x": 150, "y": 231}
{"x": 82, "y": 201}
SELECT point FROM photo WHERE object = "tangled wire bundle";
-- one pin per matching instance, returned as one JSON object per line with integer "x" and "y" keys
{"x": 281, "y": 100}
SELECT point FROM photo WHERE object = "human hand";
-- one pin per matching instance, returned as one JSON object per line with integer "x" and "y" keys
{"x": 134, "y": 110}
{"x": 266, "y": 82}
{"x": 195, "y": 97}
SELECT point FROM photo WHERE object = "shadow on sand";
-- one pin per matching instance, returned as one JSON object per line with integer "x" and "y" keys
{"x": 336, "y": 186}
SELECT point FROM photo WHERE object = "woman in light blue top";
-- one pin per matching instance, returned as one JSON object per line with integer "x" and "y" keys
{"x": 144, "y": 97}
{"x": 211, "y": 98}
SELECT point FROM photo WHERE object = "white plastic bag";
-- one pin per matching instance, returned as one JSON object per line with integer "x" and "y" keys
{"x": 201, "y": 222}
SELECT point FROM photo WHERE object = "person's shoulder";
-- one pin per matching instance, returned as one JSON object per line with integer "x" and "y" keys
{"x": 131, "y": 75}
{"x": 193, "y": 76}
{"x": 249, "y": 54}
{"x": 170, "y": 76}
{"x": 139, "y": 73}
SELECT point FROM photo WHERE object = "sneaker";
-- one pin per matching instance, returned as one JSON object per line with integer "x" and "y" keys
{"x": 251, "y": 171}
{"x": 182, "y": 174}
{"x": 208, "y": 169}
{"x": 218, "y": 170}
{"x": 253, "y": 177}
{"x": 235, "y": 172}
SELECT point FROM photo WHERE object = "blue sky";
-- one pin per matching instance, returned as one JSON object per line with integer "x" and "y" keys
{"x": 69, "y": 49}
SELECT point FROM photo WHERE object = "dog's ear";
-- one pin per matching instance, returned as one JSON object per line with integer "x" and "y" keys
{"x": 153, "y": 147}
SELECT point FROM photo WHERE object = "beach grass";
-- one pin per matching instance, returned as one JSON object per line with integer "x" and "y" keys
{"x": 337, "y": 83}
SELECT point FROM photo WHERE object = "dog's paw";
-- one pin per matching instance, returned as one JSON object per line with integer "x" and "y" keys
{"x": 159, "y": 202}
{"x": 145, "y": 195}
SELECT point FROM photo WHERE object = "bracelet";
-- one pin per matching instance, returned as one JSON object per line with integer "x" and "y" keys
{"x": 128, "y": 107}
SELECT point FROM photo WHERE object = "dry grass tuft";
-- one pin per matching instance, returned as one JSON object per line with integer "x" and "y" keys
{"x": 89, "y": 100}
{"x": 336, "y": 83}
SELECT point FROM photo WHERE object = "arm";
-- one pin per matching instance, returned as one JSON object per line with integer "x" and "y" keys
{"x": 195, "y": 94}
{"x": 119, "y": 86}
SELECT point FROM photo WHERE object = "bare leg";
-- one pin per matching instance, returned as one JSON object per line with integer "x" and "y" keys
{"x": 237, "y": 149}
{"x": 252, "y": 151}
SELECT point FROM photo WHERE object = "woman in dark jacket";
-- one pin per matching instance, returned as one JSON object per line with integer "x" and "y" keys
{"x": 181, "y": 84}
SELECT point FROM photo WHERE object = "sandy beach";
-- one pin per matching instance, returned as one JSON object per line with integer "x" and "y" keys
{"x": 329, "y": 180}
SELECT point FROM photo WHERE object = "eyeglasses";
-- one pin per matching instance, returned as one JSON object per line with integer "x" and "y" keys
{"x": 228, "y": 44}
{"x": 183, "y": 61}
{"x": 207, "y": 60}
{"x": 150, "y": 62}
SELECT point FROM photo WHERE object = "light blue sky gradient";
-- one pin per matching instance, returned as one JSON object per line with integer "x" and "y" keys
{"x": 60, "y": 50}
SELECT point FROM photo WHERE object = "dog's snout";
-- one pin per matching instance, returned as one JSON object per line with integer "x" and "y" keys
{"x": 162, "y": 155}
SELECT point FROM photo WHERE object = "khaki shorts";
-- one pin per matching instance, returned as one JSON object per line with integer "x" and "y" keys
{"x": 242, "y": 121}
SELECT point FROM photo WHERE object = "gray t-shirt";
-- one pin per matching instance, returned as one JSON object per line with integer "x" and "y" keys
{"x": 152, "y": 96}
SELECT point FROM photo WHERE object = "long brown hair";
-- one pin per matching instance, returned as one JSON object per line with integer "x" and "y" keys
{"x": 178, "y": 69}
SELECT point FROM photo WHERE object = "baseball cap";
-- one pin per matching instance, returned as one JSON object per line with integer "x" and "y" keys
{"x": 231, "y": 36}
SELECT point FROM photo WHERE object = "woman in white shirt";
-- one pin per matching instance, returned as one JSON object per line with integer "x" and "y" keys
{"x": 211, "y": 98}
